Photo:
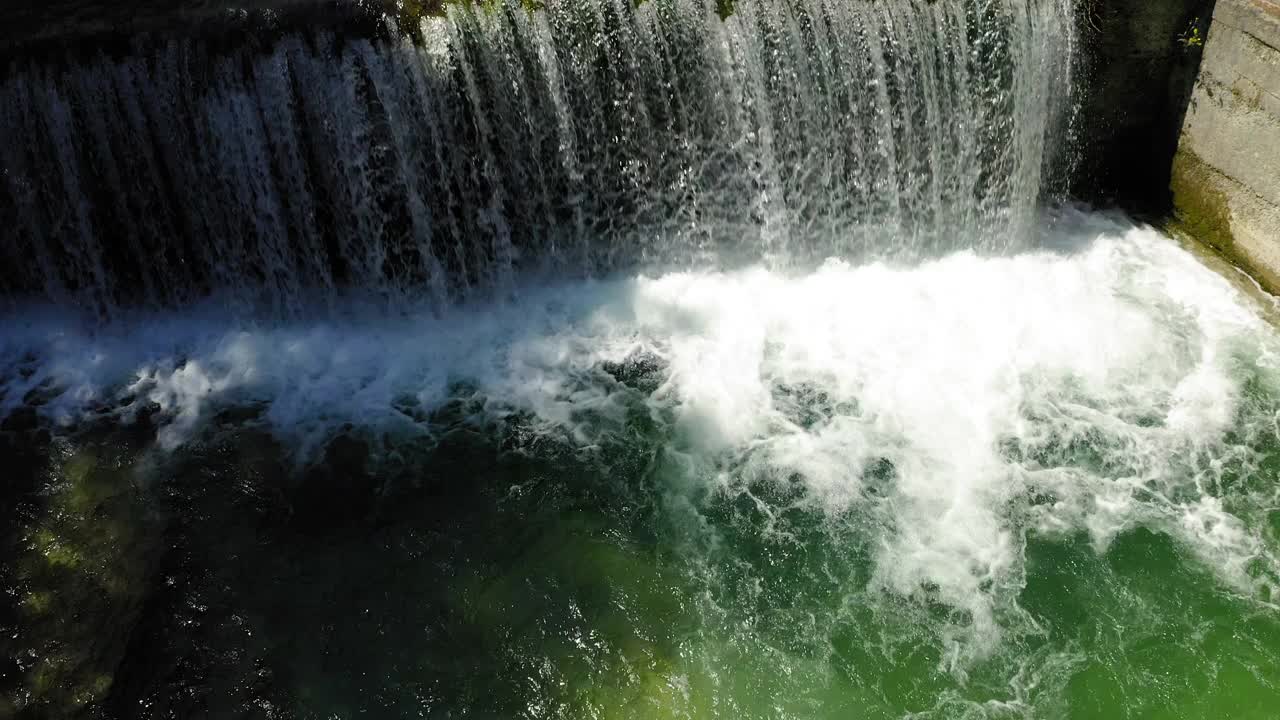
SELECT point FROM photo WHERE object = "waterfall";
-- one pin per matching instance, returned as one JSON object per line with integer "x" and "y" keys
{"x": 611, "y": 359}
{"x": 575, "y": 139}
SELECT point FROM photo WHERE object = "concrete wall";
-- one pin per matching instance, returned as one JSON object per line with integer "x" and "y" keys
{"x": 1226, "y": 173}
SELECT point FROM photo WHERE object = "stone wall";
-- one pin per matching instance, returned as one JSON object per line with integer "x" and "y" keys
{"x": 1226, "y": 173}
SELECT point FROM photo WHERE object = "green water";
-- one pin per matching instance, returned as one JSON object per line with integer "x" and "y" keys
{"x": 518, "y": 581}
{"x": 1102, "y": 545}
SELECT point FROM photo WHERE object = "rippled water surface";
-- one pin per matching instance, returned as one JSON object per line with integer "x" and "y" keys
{"x": 1037, "y": 486}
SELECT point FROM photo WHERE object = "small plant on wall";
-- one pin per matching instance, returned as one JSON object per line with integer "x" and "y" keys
{"x": 1191, "y": 37}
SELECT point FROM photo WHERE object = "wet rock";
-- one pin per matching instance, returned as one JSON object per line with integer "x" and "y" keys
{"x": 809, "y": 406}
{"x": 642, "y": 370}
{"x": 879, "y": 477}
{"x": 81, "y": 561}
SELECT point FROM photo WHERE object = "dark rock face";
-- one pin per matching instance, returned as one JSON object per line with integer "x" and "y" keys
{"x": 68, "y": 22}
{"x": 1141, "y": 60}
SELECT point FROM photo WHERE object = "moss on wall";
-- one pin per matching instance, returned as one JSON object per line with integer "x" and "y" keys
{"x": 1224, "y": 183}
{"x": 1201, "y": 207}
{"x": 1203, "y": 213}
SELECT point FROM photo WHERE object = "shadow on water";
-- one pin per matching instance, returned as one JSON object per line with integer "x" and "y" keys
{"x": 472, "y": 574}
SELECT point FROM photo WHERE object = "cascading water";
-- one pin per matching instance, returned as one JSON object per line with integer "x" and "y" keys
{"x": 579, "y": 139}
{"x": 616, "y": 361}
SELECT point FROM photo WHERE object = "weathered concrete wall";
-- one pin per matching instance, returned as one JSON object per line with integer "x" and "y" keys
{"x": 1226, "y": 173}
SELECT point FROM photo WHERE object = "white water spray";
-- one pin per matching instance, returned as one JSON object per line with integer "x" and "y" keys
{"x": 1091, "y": 391}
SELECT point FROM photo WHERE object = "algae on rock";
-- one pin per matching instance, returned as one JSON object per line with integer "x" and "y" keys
{"x": 83, "y": 561}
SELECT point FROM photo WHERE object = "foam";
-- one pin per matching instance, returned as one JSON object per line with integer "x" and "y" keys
{"x": 1099, "y": 378}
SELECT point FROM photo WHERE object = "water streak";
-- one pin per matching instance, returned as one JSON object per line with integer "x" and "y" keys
{"x": 586, "y": 137}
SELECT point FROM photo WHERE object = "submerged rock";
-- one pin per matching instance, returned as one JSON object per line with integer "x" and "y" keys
{"x": 641, "y": 370}
{"x": 82, "y": 562}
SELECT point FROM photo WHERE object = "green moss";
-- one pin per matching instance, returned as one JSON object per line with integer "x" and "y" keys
{"x": 1203, "y": 214}
{"x": 44, "y": 680}
{"x": 56, "y": 551}
{"x": 1247, "y": 93}
{"x": 82, "y": 571}
{"x": 37, "y": 603}
{"x": 1200, "y": 208}
{"x": 79, "y": 467}
{"x": 92, "y": 691}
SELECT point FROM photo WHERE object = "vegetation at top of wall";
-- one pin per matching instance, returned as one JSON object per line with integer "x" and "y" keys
{"x": 1191, "y": 37}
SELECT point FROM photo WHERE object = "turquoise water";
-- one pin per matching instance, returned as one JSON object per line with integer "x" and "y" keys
{"x": 1041, "y": 486}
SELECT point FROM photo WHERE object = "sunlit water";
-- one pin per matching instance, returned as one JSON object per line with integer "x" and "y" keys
{"x": 1035, "y": 486}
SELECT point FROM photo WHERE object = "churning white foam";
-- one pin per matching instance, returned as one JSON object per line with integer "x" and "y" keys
{"x": 1082, "y": 391}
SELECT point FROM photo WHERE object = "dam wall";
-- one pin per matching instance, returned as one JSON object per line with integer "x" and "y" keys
{"x": 1226, "y": 172}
